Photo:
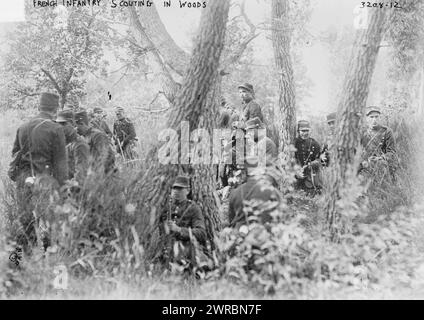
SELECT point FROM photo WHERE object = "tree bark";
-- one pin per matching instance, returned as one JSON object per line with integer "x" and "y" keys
{"x": 350, "y": 110}
{"x": 169, "y": 85}
{"x": 174, "y": 57}
{"x": 194, "y": 104}
{"x": 281, "y": 37}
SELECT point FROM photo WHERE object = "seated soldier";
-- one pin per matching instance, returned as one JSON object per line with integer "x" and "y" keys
{"x": 261, "y": 185}
{"x": 378, "y": 144}
{"x": 182, "y": 225}
{"x": 308, "y": 157}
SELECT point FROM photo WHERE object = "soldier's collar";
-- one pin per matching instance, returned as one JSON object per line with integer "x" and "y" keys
{"x": 45, "y": 115}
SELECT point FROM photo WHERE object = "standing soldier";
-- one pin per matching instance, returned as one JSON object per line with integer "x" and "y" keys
{"x": 40, "y": 160}
{"x": 77, "y": 148}
{"x": 182, "y": 226}
{"x": 378, "y": 144}
{"x": 124, "y": 135}
{"x": 100, "y": 147}
{"x": 328, "y": 144}
{"x": 308, "y": 157}
{"x": 251, "y": 109}
{"x": 98, "y": 122}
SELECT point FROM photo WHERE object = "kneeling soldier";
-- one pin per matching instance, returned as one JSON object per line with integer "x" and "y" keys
{"x": 183, "y": 227}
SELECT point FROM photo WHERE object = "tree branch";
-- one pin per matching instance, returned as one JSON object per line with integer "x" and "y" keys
{"x": 53, "y": 81}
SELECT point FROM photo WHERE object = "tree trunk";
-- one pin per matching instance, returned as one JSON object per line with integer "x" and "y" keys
{"x": 350, "y": 110}
{"x": 281, "y": 37}
{"x": 194, "y": 104}
{"x": 169, "y": 85}
{"x": 174, "y": 57}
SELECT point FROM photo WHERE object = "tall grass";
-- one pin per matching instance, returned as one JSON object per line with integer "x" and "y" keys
{"x": 95, "y": 234}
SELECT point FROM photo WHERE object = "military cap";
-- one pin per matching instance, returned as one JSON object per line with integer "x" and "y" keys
{"x": 372, "y": 109}
{"x": 65, "y": 116}
{"x": 97, "y": 110}
{"x": 81, "y": 117}
{"x": 246, "y": 86}
{"x": 331, "y": 117}
{"x": 181, "y": 182}
{"x": 49, "y": 101}
{"x": 303, "y": 124}
{"x": 119, "y": 109}
{"x": 254, "y": 123}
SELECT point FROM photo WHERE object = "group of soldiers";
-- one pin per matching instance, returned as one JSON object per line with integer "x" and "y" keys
{"x": 63, "y": 145}
{"x": 239, "y": 183}
{"x": 54, "y": 147}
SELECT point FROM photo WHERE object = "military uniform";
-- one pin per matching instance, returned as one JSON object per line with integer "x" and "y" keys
{"x": 380, "y": 142}
{"x": 329, "y": 142}
{"x": 41, "y": 142}
{"x": 78, "y": 156}
{"x": 307, "y": 155}
{"x": 100, "y": 124}
{"x": 252, "y": 189}
{"x": 77, "y": 148}
{"x": 101, "y": 150}
{"x": 39, "y": 150}
{"x": 251, "y": 109}
{"x": 327, "y": 149}
{"x": 261, "y": 186}
{"x": 125, "y": 137}
{"x": 188, "y": 216}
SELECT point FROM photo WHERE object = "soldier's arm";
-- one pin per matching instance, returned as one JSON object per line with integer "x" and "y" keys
{"x": 390, "y": 143}
{"x": 130, "y": 134}
{"x": 198, "y": 226}
{"x": 106, "y": 129}
{"x": 316, "y": 155}
{"x": 255, "y": 111}
{"x": 81, "y": 156}
{"x": 16, "y": 145}
{"x": 60, "y": 161}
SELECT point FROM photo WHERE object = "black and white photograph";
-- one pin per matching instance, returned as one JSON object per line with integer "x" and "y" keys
{"x": 227, "y": 151}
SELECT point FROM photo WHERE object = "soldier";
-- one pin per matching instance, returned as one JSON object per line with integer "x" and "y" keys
{"x": 100, "y": 147}
{"x": 77, "y": 148}
{"x": 124, "y": 135}
{"x": 251, "y": 109}
{"x": 308, "y": 157}
{"x": 328, "y": 145}
{"x": 378, "y": 144}
{"x": 253, "y": 126}
{"x": 260, "y": 185}
{"x": 40, "y": 161}
{"x": 183, "y": 225}
{"x": 98, "y": 122}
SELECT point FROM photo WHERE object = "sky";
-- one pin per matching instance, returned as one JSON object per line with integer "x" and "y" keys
{"x": 182, "y": 22}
